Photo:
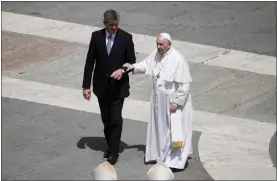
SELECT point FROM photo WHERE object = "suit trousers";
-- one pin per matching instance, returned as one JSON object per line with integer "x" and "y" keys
{"x": 111, "y": 114}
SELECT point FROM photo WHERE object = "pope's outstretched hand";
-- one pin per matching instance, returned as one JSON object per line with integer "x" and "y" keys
{"x": 128, "y": 66}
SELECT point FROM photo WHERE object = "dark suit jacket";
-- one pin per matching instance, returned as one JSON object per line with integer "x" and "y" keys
{"x": 122, "y": 52}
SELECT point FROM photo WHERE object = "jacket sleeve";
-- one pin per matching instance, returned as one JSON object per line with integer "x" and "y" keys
{"x": 130, "y": 51}
{"x": 89, "y": 65}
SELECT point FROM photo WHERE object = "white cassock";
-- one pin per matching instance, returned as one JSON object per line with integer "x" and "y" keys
{"x": 169, "y": 135}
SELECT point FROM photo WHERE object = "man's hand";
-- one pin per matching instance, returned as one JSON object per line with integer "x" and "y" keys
{"x": 117, "y": 74}
{"x": 87, "y": 94}
{"x": 128, "y": 66}
{"x": 173, "y": 107}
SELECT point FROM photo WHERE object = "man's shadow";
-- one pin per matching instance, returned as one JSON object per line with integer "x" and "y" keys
{"x": 99, "y": 144}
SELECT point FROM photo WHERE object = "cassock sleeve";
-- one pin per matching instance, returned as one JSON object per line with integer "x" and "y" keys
{"x": 140, "y": 67}
{"x": 182, "y": 81}
{"x": 143, "y": 66}
{"x": 181, "y": 95}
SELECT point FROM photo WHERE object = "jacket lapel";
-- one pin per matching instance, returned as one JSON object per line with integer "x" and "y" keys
{"x": 104, "y": 41}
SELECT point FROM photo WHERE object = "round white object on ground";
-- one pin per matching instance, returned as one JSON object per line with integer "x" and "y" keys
{"x": 159, "y": 172}
{"x": 104, "y": 171}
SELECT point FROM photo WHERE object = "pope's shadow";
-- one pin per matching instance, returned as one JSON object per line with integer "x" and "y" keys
{"x": 99, "y": 144}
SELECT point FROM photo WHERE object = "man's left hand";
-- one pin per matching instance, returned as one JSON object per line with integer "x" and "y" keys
{"x": 117, "y": 74}
{"x": 173, "y": 107}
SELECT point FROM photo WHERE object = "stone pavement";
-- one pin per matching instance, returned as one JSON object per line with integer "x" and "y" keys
{"x": 50, "y": 132}
{"x": 46, "y": 142}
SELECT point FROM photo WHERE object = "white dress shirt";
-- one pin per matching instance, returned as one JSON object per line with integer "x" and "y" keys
{"x": 107, "y": 36}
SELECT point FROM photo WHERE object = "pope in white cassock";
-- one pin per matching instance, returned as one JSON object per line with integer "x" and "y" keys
{"x": 169, "y": 131}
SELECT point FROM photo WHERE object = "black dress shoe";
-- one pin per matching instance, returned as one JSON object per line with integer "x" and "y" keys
{"x": 112, "y": 159}
{"x": 106, "y": 154}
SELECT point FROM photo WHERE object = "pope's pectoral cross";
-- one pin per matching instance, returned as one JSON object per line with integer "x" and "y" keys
{"x": 158, "y": 76}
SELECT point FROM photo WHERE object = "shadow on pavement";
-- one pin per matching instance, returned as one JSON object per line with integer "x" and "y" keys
{"x": 99, "y": 144}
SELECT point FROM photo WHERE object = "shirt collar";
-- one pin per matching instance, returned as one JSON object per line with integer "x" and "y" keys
{"x": 107, "y": 35}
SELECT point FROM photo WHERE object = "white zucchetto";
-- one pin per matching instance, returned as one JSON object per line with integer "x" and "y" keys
{"x": 167, "y": 36}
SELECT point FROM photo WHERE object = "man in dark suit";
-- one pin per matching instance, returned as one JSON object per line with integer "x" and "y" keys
{"x": 109, "y": 49}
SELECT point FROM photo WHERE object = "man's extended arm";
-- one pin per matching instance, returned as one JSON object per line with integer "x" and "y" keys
{"x": 143, "y": 66}
{"x": 90, "y": 61}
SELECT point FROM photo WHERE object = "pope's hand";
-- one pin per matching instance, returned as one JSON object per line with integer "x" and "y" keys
{"x": 128, "y": 66}
{"x": 173, "y": 107}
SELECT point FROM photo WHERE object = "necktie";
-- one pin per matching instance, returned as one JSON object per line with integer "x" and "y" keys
{"x": 109, "y": 44}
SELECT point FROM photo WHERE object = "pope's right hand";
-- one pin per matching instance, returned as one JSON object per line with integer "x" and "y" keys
{"x": 87, "y": 94}
{"x": 128, "y": 66}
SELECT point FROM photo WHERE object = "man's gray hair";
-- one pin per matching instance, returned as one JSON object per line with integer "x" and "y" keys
{"x": 111, "y": 15}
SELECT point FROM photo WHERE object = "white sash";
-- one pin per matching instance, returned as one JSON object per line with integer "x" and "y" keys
{"x": 177, "y": 129}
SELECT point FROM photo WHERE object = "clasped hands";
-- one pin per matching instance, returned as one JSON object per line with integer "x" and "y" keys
{"x": 117, "y": 74}
{"x": 128, "y": 66}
